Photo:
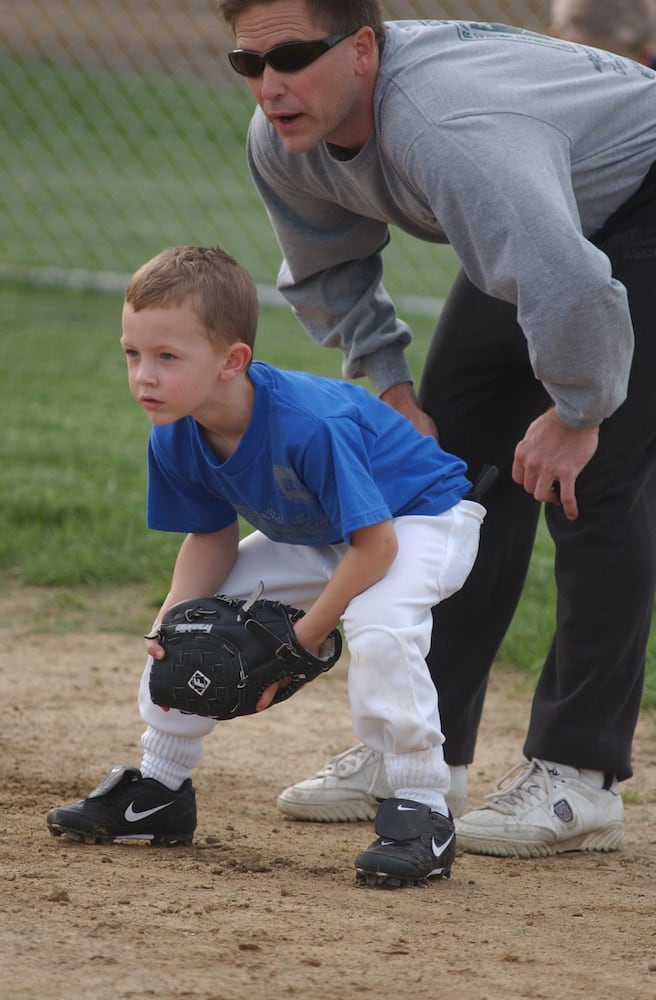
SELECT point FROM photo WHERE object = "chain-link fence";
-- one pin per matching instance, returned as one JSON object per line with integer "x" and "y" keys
{"x": 123, "y": 132}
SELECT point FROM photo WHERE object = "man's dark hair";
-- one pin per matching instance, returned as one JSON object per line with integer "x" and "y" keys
{"x": 334, "y": 16}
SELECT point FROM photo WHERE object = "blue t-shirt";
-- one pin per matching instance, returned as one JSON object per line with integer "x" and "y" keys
{"x": 319, "y": 459}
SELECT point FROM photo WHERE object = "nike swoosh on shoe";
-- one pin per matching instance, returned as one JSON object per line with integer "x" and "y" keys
{"x": 439, "y": 849}
{"x": 132, "y": 816}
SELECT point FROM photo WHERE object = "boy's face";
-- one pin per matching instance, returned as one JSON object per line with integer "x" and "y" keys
{"x": 323, "y": 101}
{"x": 174, "y": 370}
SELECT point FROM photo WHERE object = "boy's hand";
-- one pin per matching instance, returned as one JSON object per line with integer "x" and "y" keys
{"x": 308, "y": 641}
{"x": 153, "y": 645}
{"x": 154, "y": 649}
{"x": 307, "y": 637}
{"x": 268, "y": 695}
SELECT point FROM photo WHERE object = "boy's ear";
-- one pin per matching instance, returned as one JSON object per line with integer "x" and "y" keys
{"x": 237, "y": 360}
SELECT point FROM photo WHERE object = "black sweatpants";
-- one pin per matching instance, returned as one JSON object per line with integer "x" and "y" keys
{"x": 480, "y": 389}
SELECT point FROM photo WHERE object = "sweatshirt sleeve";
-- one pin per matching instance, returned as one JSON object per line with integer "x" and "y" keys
{"x": 506, "y": 202}
{"x": 331, "y": 272}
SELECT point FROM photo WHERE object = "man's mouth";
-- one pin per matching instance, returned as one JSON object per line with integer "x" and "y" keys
{"x": 284, "y": 121}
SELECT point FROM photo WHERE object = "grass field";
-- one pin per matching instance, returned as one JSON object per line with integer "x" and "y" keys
{"x": 72, "y": 461}
{"x": 73, "y": 470}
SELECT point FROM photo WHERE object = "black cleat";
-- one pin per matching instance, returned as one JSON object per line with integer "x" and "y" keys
{"x": 414, "y": 844}
{"x": 126, "y": 806}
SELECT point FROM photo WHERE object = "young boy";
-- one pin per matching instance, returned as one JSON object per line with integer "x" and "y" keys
{"x": 359, "y": 519}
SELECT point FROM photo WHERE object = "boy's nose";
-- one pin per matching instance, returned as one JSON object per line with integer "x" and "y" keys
{"x": 145, "y": 374}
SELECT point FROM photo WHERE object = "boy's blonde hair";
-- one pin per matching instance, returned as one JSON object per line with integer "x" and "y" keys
{"x": 220, "y": 290}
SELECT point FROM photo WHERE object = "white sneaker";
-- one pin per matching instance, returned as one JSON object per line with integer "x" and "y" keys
{"x": 351, "y": 786}
{"x": 542, "y": 809}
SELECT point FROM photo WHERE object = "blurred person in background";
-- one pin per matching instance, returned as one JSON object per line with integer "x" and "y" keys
{"x": 627, "y": 27}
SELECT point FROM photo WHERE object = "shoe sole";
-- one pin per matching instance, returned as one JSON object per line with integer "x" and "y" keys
{"x": 153, "y": 840}
{"x": 381, "y": 880}
{"x": 355, "y": 811}
{"x": 608, "y": 838}
{"x": 329, "y": 812}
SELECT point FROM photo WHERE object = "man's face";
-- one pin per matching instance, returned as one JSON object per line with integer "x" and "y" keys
{"x": 328, "y": 100}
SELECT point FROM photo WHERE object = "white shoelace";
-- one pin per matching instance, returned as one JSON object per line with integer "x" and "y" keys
{"x": 533, "y": 782}
{"x": 348, "y": 761}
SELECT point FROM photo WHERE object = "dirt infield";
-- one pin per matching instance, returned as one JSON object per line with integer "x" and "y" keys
{"x": 264, "y": 907}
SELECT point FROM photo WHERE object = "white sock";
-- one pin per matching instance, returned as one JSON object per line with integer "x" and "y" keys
{"x": 596, "y": 779}
{"x": 422, "y": 776}
{"x": 427, "y": 796}
{"x": 169, "y": 759}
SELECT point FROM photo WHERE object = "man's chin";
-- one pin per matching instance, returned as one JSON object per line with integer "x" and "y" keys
{"x": 297, "y": 142}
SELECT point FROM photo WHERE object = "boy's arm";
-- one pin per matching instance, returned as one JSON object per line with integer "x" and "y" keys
{"x": 202, "y": 564}
{"x": 370, "y": 554}
{"x": 366, "y": 561}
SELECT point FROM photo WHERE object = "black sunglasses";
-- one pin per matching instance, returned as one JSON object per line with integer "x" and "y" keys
{"x": 286, "y": 58}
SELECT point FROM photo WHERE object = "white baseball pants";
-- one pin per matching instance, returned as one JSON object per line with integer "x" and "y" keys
{"x": 393, "y": 701}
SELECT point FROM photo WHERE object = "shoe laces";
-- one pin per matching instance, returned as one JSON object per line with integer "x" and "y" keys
{"x": 347, "y": 762}
{"x": 523, "y": 785}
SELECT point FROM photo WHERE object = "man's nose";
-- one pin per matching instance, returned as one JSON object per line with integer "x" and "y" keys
{"x": 271, "y": 83}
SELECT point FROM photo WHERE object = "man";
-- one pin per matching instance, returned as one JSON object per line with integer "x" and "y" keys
{"x": 627, "y": 27}
{"x": 534, "y": 158}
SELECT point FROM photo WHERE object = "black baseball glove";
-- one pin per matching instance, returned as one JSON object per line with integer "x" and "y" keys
{"x": 222, "y": 653}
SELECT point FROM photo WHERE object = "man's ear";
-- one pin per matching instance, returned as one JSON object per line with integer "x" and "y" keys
{"x": 366, "y": 48}
{"x": 237, "y": 359}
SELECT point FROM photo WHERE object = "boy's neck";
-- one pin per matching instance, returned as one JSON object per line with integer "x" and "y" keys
{"x": 226, "y": 431}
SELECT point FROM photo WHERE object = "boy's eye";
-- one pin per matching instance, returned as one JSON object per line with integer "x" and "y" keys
{"x": 167, "y": 356}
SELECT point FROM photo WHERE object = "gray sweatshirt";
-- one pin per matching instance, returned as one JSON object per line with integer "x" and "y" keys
{"x": 513, "y": 147}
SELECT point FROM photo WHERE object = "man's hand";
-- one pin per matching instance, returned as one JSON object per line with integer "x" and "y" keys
{"x": 402, "y": 397}
{"x": 549, "y": 459}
